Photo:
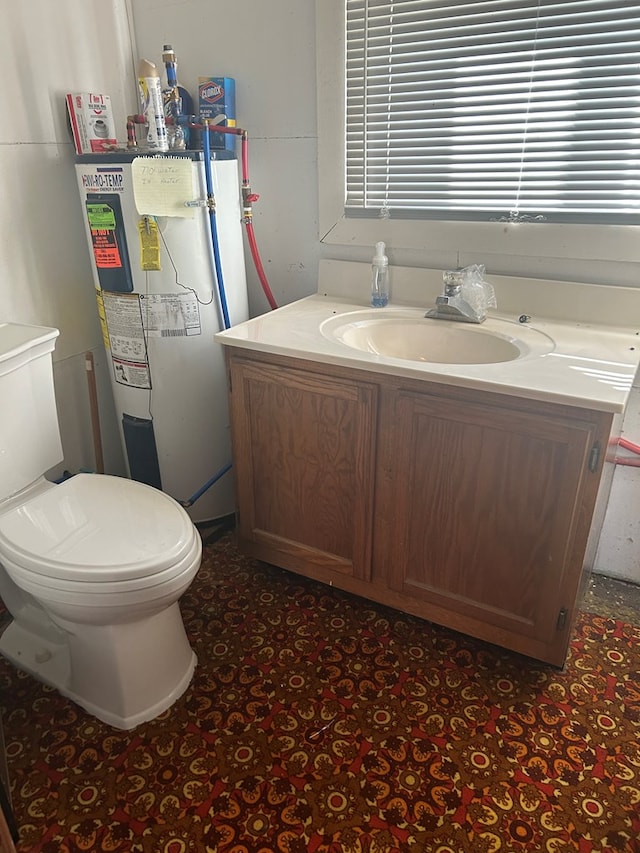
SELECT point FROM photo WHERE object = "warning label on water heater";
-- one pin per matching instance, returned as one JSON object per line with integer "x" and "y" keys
{"x": 125, "y": 331}
{"x": 168, "y": 315}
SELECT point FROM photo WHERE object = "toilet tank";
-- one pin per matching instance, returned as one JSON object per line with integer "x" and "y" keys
{"x": 29, "y": 434}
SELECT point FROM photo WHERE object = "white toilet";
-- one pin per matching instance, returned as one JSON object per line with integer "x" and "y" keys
{"x": 91, "y": 569}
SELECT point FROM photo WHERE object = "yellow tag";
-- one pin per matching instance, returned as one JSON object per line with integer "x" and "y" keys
{"x": 149, "y": 244}
{"x": 103, "y": 319}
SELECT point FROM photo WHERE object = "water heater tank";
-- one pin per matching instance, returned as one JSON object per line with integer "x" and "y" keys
{"x": 157, "y": 298}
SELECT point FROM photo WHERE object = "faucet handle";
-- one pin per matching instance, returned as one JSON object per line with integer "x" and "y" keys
{"x": 452, "y": 280}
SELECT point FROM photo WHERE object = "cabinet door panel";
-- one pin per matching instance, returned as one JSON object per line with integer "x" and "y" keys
{"x": 486, "y": 508}
{"x": 306, "y": 483}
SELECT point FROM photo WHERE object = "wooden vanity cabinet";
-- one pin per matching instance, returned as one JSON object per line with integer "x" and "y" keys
{"x": 491, "y": 509}
{"x": 467, "y": 508}
{"x": 304, "y": 456}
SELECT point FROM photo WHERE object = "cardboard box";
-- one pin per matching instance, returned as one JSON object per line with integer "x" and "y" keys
{"x": 92, "y": 123}
{"x": 217, "y": 102}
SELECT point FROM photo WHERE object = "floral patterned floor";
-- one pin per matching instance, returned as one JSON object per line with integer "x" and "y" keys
{"x": 321, "y": 723}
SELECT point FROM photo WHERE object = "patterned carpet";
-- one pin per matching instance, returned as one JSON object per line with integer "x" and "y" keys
{"x": 317, "y": 721}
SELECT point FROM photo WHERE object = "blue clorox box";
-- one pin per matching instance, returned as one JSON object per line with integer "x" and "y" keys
{"x": 217, "y": 102}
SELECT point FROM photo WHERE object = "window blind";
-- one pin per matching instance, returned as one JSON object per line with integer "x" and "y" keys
{"x": 493, "y": 109}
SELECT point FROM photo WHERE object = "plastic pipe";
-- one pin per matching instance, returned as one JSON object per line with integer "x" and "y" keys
{"x": 629, "y": 445}
{"x": 194, "y": 497}
{"x": 247, "y": 202}
{"x": 206, "y": 148}
{"x": 258, "y": 265}
{"x": 627, "y": 460}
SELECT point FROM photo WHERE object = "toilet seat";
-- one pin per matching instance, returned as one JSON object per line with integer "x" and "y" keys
{"x": 106, "y": 592}
{"x": 98, "y": 529}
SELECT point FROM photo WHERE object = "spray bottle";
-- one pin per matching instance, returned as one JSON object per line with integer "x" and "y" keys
{"x": 150, "y": 89}
{"x": 379, "y": 277}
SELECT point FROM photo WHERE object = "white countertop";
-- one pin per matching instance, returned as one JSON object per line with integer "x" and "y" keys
{"x": 588, "y": 365}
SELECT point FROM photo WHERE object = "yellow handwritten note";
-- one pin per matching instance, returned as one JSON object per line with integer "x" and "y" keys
{"x": 162, "y": 185}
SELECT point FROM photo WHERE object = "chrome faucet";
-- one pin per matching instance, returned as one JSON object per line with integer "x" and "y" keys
{"x": 453, "y": 306}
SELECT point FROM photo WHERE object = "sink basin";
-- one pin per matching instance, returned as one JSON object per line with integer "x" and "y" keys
{"x": 408, "y": 335}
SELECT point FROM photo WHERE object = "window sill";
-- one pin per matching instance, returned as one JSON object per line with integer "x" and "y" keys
{"x": 539, "y": 239}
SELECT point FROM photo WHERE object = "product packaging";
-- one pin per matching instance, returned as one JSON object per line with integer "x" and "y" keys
{"x": 217, "y": 102}
{"x": 151, "y": 106}
{"x": 92, "y": 123}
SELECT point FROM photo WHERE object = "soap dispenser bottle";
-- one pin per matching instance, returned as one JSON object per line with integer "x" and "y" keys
{"x": 379, "y": 277}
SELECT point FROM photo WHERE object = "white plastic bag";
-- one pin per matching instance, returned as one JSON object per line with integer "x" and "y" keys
{"x": 475, "y": 290}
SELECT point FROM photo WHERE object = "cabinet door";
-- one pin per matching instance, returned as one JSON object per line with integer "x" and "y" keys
{"x": 304, "y": 449}
{"x": 488, "y": 513}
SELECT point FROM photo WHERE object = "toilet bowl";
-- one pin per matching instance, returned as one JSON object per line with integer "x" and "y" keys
{"x": 92, "y": 570}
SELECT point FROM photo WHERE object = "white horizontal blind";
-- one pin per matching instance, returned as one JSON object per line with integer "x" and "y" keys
{"x": 494, "y": 109}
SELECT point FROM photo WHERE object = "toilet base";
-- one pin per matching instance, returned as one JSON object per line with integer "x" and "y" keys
{"x": 123, "y": 674}
{"x": 47, "y": 661}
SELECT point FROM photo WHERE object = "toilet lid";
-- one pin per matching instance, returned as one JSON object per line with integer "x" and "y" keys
{"x": 96, "y": 527}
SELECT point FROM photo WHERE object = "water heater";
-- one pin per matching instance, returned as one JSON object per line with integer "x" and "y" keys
{"x": 150, "y": 238}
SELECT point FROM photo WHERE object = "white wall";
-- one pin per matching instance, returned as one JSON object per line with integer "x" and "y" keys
{"x": 49, "y": 49}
